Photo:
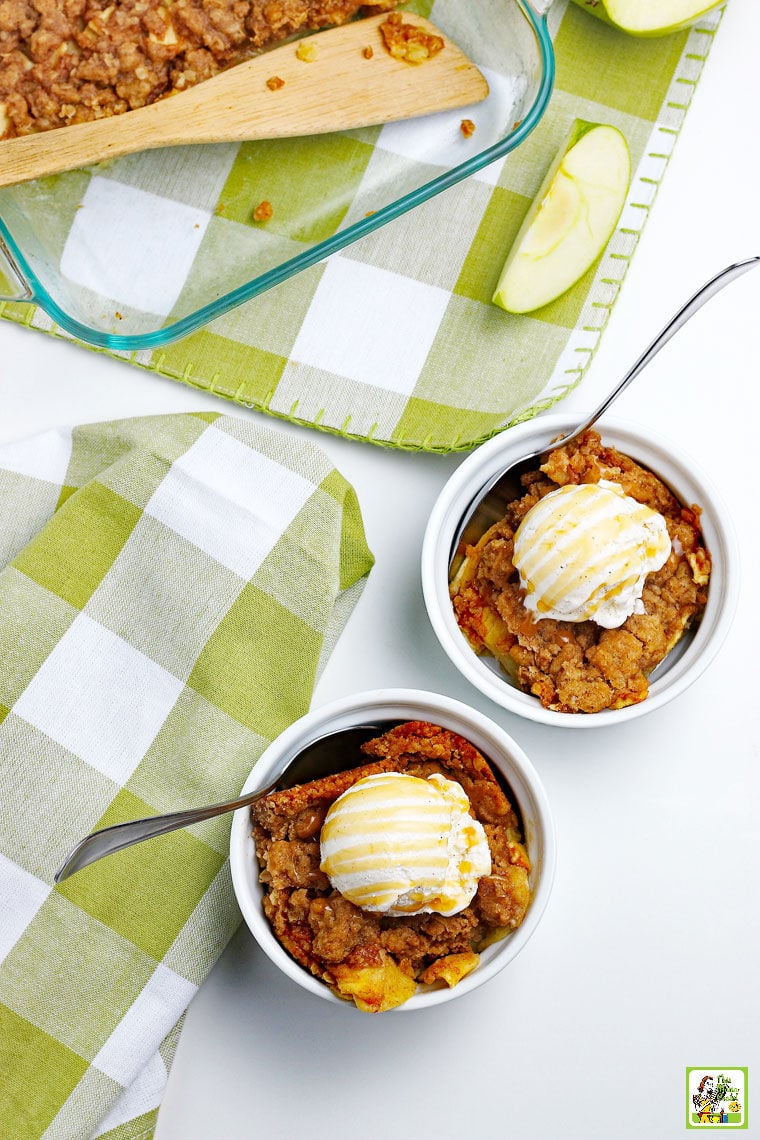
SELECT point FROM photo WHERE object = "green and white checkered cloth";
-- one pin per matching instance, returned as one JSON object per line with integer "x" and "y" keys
{"x": 395, "y": 338}
{"x": 171, "y": 587}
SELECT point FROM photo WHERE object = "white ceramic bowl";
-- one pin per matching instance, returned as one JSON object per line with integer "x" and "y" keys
{"x": 402, "y": 705}
{"x": 697, "y": 647}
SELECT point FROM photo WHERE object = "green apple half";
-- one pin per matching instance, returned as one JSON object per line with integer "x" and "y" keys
{"x": 571, "y": 219}
{"x": 649, "y": 17}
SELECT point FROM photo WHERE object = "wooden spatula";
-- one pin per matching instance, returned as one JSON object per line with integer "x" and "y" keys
{"x": 342, "y": 86}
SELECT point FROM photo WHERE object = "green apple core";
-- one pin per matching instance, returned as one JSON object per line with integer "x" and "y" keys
{"x": 557, "y": 215}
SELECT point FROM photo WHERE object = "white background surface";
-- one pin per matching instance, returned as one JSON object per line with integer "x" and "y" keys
{"x": 646, "y": 960}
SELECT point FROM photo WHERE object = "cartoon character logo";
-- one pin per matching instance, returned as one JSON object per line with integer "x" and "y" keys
{"x": 710, "y": 1097}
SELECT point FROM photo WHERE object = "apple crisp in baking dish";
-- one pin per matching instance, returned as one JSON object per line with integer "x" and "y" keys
{"x": 72, "y": 61}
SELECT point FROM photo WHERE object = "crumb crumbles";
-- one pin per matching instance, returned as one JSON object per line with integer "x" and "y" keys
{"x": 263, "y": 212}
{"x": 409, "y": 42}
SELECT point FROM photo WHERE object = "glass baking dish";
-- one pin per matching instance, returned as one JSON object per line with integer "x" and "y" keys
{"x": 140, "y": 251}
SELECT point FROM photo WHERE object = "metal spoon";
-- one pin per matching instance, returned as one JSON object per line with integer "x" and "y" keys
{"x": 490, "y": 504}
{"x": 334, "y": 752}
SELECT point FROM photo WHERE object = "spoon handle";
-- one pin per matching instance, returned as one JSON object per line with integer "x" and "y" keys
{"x": 121, "y": 835}
{"x": 713, "y": 286}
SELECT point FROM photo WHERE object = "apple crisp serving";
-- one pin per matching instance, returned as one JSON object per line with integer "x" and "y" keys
{"x": 378, "y": 959}
{"x": 581, "y": 666}
{"x": 72, "y": 61}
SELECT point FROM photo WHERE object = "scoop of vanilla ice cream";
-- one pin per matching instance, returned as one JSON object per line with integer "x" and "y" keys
{"x": 584, "y": 550}
{"x": 399, "y": 844}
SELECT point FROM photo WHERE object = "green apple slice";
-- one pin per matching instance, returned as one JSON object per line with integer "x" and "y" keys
{"x": 571, "y": 219}
{"x": 649, "y": 17}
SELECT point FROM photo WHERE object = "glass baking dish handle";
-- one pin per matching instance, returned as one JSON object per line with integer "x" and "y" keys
{"x": 13, "y": 285}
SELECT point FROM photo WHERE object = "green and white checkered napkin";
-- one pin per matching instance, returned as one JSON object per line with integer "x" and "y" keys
{"x": 171, "y": 588}
{"x": 395, "y": 339}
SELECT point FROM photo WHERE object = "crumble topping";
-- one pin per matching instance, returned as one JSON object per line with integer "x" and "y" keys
{"x": 376, "y": 959}
{"x": 580, "y": 666}
{"x": 72, "y": 61}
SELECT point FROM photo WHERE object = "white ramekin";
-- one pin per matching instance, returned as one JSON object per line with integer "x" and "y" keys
{"x": 402, "y": 705}
{"x": 696, "y": 649}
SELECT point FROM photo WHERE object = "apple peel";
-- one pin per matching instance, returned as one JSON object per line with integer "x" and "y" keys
{"x": 648, "y": 18}
{"x": 571, "y": 219}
